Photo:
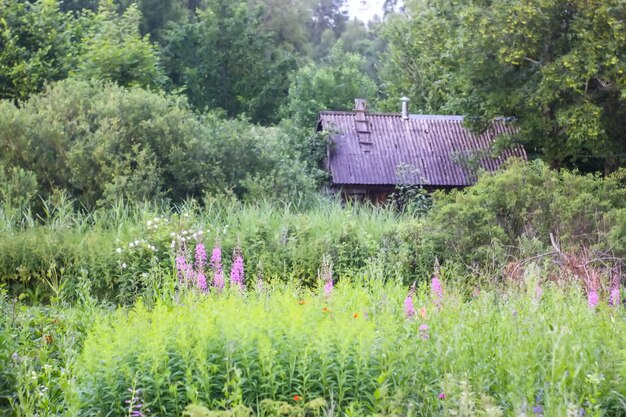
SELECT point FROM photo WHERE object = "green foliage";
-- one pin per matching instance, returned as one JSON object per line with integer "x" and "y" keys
{"x": 227, "y": 58}
{"x": 498, "y": 353}
{"x": 158, "y": 14}
{"x": 37, "y": 45}
{"x": 281, "y": 243}
{"x": 113, "y": 50}
{"x": 506, "y": 217}
{"x": 100, "y": 142}
{"x": 18, "y": 189}
{"x": 528, "y": 201}
{"x": 38, "y": 351}
{"x": 558, "y": 68}
{"x": 332, "y": 85}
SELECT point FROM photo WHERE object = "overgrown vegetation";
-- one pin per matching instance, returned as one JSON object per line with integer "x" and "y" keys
{"x": 98, "y": 142}
{"x": 165, "y": 249}
{"x": 364, "y": 348}
{"x": 506, "y": 218}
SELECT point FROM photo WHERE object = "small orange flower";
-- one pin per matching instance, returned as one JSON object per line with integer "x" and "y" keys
{"x": 356, "y": 315}
{"x": 302, "y": 302}
{"x": 326, "y": 310}
{"x": 48, "y": 339}
{"x": 296, "y": 398}
{"x": 422, "y": 312}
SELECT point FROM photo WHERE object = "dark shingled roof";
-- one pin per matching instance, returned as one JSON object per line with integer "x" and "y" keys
{"x": 385, "y": 149}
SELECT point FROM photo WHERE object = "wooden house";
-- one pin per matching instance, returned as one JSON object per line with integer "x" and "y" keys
{"x": 370, "y": 154}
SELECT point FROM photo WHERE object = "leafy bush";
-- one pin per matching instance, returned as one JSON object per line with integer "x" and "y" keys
{"x": 487, "y": 223}
{"x": 100, "y": 142}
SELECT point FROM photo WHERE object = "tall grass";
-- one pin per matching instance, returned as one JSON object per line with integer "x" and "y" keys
{"x": 43, "y": 258}
{"x": 498, "y": 353}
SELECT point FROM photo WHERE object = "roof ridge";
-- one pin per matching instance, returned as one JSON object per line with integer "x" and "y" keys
{"x": 399, "y": 115}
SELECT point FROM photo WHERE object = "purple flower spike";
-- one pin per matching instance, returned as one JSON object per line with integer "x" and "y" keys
{"x": 218, "y": 280}
{"x": 615, "y": 297}
{"x": 184, "y": 271}
{"x": 237, "y": 273}
{"x": 593, "y": 299}
{"x": 328, "y": 287}
{"x": 424, "y": 331}
{"x": 216, "y": 259}
{"x": 201, "y": 257}
{"x": 409, "y": 308}
{"x": 216, "y": 267}
{"x": 201, "y": 281}
{"x": 437, "y": 290}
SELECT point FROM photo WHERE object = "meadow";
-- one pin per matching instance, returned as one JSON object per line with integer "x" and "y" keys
{"x": 487, "y": 303}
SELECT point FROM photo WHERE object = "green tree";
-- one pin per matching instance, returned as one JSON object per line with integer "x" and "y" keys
{"x": 229, "y": 58}
{"x": 114, "y": 50}
{"x": 328, "y": 20}
{"x": 79, "y": 5}
{"x": 365, "y": 41}
{"x": 37, "y": 44}
{"x": 557, "y": 67}
{"x": 333, "y": 84}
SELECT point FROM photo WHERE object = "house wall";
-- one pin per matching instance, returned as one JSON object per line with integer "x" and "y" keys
{"x": 376, "y": 194}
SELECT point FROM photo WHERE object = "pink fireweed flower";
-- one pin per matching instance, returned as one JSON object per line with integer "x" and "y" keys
{"x": 437, "y": 290}
{"x": 201, "y": 257}
{"x": 236, "y": 272}
{"x": 442, "y": 396}
{"x": 423, "y": 329}
{"x": 183, "y": 269}
{"x": 218, "y": 280}
{"x": 201, "y": 281}
{"x": 327, "y": 276}
{"x": 328, "y": 287}
{"x": 216, "y": 267}
{"x": 593, "y": 299}
{"x": 409, "y": 308}
{"x": 216, "y": 259}
{"x": 614, "y": 297}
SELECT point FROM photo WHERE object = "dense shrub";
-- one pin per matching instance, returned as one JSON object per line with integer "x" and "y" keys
{"x": 486, "y": 224}
{"x": 101, "y": 142}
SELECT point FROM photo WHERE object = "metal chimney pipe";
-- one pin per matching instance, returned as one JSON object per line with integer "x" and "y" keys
{"x": 405, "y": 107}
